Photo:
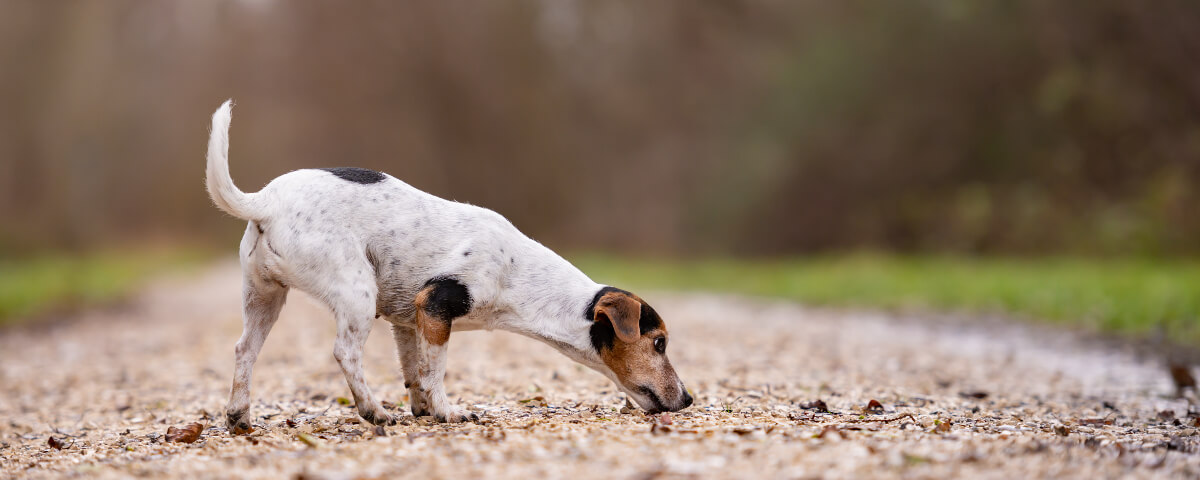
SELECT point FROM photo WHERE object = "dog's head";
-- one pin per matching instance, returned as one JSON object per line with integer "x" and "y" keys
{"x": 631, "y": 340}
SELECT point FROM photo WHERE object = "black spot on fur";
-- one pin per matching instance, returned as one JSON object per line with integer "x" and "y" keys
{"x": 603, "y": 334}
{"x": 650, "y": 319}
{"x": 356, "y": 175}
{"x": 448, "y": 300}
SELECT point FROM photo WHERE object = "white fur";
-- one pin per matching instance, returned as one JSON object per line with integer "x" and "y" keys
{"x": 368, "y": 249}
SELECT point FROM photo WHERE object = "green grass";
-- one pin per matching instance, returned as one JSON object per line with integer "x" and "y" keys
{"x": 65, "y": 282}
{"x": 1129, "y": 297}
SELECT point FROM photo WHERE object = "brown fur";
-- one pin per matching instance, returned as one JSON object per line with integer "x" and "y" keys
{"x": 435, "y": 331}
{"x": 628, "y": 359}
{"x": 624, "y": 311}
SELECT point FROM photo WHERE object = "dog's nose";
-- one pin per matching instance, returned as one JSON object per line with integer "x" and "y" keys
{"x": 687, "y": 399}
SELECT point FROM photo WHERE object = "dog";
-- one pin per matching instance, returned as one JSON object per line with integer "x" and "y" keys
{"x": 368, "y": 245}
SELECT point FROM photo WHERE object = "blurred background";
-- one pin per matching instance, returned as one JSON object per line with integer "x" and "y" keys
{"x": 953, "y": 139}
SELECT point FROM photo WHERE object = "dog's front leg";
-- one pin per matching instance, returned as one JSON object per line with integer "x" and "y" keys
{"x": 432, "y": 334}
{"x": 431, "y": 373}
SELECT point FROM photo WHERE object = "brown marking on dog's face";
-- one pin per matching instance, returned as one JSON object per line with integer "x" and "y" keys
{"x": 634, "y": 349}
{"x": 435, "y": 331}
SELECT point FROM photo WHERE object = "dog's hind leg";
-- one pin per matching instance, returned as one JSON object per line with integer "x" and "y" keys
{"x": 261, "y": 301}
{"x": 410, "y": 358}
{"x": 354, "y": 307}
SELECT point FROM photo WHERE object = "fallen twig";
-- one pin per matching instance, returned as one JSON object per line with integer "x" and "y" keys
{"x": 883, "y": 420}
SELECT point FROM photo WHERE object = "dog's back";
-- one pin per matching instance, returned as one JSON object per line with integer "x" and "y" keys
{"x": 342, "y": 220}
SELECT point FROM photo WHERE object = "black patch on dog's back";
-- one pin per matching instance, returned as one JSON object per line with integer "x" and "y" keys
{"x": 356, "y": 175}
{"x": 603, "y": 334}
{"x": 448, "y": 300}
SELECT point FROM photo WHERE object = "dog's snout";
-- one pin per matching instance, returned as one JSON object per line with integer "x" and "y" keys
{"x": 687, "y": 399}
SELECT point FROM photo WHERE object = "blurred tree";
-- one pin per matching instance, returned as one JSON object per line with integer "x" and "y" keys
{"x": 711, "y": 126}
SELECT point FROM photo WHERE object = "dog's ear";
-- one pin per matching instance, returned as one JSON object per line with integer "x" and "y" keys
{"x": 624, "y": 312}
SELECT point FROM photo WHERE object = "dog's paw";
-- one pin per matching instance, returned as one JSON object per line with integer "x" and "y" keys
{"x": 418, "y": 404}
{"x": 456, "y": 415}
{"x": 421, "y": 409}
{"x": 238, "y": 422}
{"x": 379, "y": 417}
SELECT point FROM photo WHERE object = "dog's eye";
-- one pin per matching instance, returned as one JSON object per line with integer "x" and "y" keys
{"x": 660, "y": 345}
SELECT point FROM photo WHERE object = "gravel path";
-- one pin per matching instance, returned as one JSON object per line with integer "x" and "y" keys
{"x": 955, "y": 400}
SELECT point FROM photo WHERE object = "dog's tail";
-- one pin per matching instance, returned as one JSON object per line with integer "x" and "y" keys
{"x": 224, "y": 193}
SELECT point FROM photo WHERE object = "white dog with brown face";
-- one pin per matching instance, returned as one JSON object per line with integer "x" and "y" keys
{"x": 369, "y": 245}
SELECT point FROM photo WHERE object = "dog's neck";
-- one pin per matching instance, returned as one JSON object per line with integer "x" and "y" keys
{"x": 550, "y": 298}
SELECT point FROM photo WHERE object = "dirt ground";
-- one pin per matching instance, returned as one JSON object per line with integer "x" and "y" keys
{"x": 956, "y": 399}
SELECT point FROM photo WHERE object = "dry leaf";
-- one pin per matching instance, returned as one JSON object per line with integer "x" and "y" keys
{"x": 873, "y": 407}
{"x": 392, "y": 406}
{"x": 56, "y": 443}
{"x": 980, "y": 395}
{"x": 1182, "y": 375}
{"x": 818, "y": 405}
{"x": 309, "y": 440}
{"x": 186, "y": 434}
{"x": 343, "y": 401}
{"x": 538, "y": 401}
{"x": 941, "y": 426}
{"x": 1062, "y": 430}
